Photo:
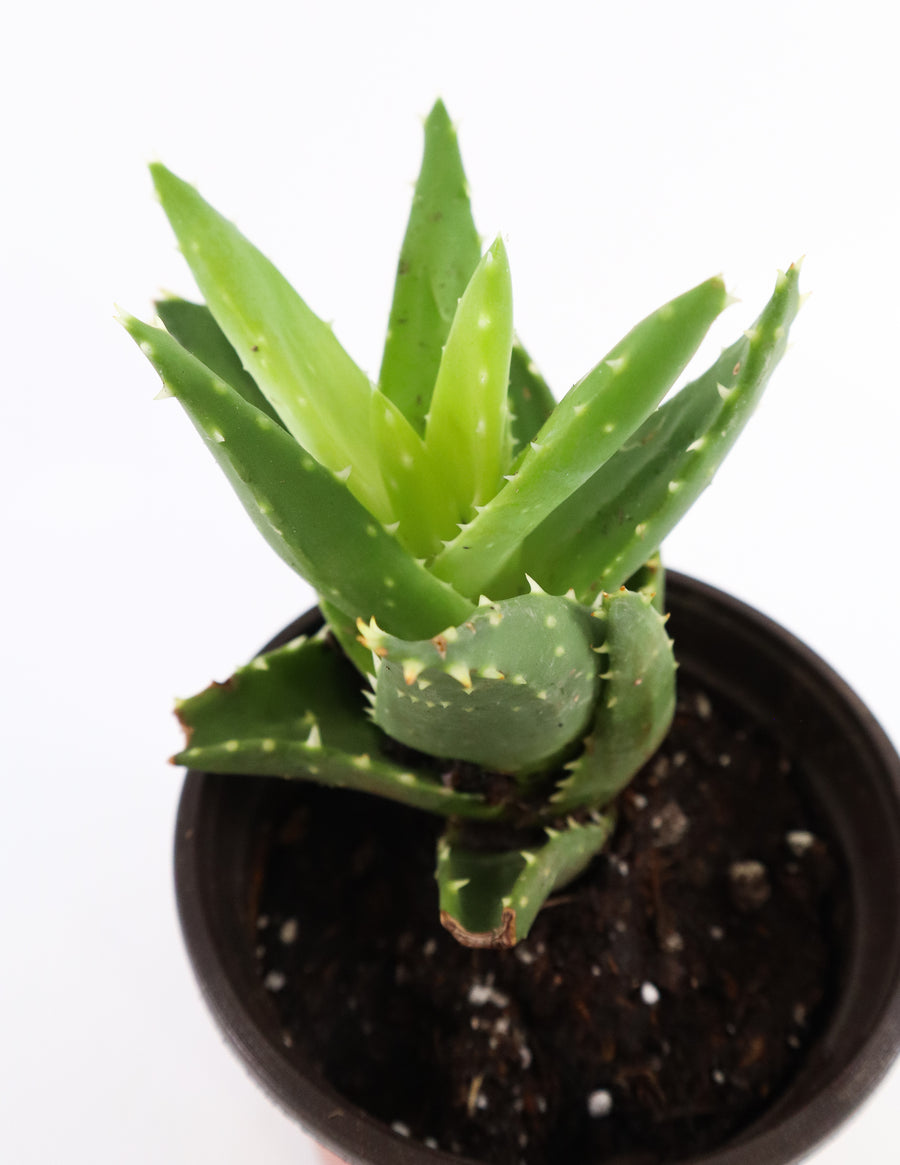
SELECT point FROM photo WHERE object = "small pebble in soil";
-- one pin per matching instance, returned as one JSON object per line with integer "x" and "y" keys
{"x": 650, "y": 994}
{"x": 669, "y": 825}
{"x": 288, "y": 931}
{"x": 482, "y": 993}
{"x": 799, "y": 841}
{"x": 749, "y": 885}
{"x": 599, "y": 1103}
{"x": 660, "y": 770}
{"x": 400, "y": 1129}
{"x": 275, "y": 981}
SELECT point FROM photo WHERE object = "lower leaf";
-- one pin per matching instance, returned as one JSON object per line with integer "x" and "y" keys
{"x": 299, "y": 712}
{"x": 491, "y": 899}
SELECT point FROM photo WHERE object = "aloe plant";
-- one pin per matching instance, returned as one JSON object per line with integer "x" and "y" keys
{"x": 487, "y": 560}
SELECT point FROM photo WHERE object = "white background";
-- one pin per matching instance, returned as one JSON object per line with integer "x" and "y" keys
{"x": 626, "y": 152}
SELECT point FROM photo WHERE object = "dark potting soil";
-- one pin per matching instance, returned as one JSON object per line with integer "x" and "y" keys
{"x": 658, "y": 1005}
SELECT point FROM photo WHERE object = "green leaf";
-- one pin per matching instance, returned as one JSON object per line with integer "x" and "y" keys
{"x": 468, "y": 431}
{"x": 510, "y": 689}
{"x": 586, "y": 428}
{"x": 343, "y": 628}
{"x": 530, "y": 400}
{"x": 298, "y": 712}
{"x": 578, "y": 545}
{"x": 424, "y": 508}
{"x": 603, "y": 533}
{"x": 439, "y": 253}
{"x": 315, "y": 388}
{"x": 194, "y": 327}
{"x": 650, "y": 580}
{"x": 491, "y": 899}
{"x": 635, "y": 708}
{"x": 303, "y": 510}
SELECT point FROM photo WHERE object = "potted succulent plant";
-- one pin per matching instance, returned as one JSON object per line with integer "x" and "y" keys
{"x": 493, "y": 649}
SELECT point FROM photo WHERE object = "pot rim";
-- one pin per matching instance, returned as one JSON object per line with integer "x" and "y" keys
{"x": 359, "y": 1139}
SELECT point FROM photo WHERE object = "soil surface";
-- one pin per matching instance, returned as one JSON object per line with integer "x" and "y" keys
{"x": 658, "y": 1005}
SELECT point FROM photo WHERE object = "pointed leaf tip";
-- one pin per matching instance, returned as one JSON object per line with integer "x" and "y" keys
{"x": 438, "y": 115}
{"x": 497, "y": 250}
{"x": 163, "y": 178}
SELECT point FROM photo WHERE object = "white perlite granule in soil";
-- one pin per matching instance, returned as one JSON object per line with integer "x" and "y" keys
{"x": 650, "y": 994}
{"x": 600, "y": 1103}
{"x": 288, "y": 932}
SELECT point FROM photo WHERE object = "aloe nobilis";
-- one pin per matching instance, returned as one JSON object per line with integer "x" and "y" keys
{"x": 486, "y": 559}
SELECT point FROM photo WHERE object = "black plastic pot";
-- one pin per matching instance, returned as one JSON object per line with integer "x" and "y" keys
{"x": 854, "y": 777}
